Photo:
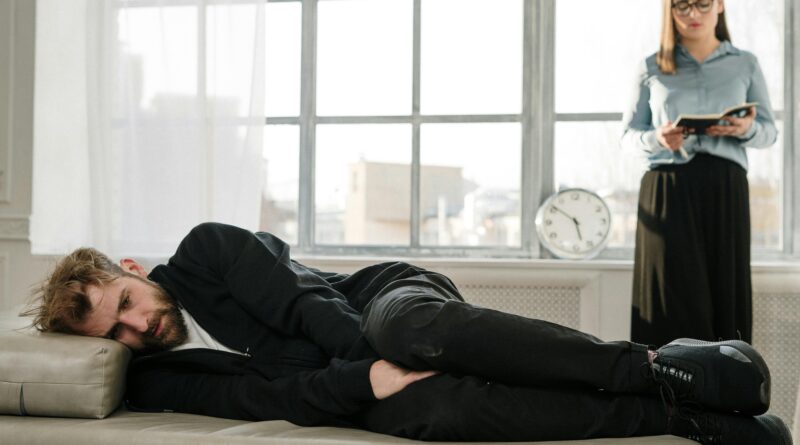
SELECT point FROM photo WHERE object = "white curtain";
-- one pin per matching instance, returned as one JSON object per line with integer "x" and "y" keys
{"x": 148, "y": 120}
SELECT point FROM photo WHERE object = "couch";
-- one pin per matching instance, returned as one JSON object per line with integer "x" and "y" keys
{"x": 62, "y": 389}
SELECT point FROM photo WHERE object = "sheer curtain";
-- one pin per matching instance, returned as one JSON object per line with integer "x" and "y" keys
{"x": 149, "y": 119}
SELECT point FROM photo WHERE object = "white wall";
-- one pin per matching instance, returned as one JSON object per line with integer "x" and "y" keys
{"x": 18, "y": 269}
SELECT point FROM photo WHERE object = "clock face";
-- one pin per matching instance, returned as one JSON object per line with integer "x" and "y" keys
{"x": 574, "y": 224}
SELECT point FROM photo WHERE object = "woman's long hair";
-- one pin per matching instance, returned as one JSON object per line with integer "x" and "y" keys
{"x": 669, "y": 37}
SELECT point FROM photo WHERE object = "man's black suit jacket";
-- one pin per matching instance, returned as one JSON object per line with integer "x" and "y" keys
{"x": 305, "y": 358}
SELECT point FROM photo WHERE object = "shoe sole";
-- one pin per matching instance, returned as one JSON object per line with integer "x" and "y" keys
{"x": 780, "y": 427}
{"x": 743, "y": 348}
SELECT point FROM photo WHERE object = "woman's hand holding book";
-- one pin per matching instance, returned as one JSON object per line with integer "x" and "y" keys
{"x": 737, "y": 126}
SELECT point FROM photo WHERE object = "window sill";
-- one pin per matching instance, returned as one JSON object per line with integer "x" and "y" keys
{"x": 771, "y": 266}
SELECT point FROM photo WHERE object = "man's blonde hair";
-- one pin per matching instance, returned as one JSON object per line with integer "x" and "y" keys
{"x": 60, "y": 301}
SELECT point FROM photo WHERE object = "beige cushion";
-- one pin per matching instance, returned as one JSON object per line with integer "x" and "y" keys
{"x": 60, "y": 375}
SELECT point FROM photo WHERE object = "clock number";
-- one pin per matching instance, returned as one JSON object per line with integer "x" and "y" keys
{"x": 590, "y": 243}
{"x": 598, "y": 209}
{"x": 575, "y": 248}
{"x": 548, "y": 222}
{"x": 603, "y": 221}
{"x": 553, "y": 235}
{"x": 599, "y": 233}
{"x": 575, "y": 196}
{"x": 552, "y": 210}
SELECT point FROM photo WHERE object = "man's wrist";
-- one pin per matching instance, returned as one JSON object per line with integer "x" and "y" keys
{"x": 356, "y": 379}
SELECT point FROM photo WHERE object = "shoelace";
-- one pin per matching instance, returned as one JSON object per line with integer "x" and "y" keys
{"x": 707, "y": 429}
{"x": 674, "y": 382}
{"x": 680, "y": 380}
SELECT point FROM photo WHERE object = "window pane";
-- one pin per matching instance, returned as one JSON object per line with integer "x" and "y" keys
{"x": 613, "y": 52}
{"x": 471, "y": 61}
{"x": 231, "y": 58}
{"x": 587, "y": 155}
{"x": 758, "y": 27}
{"x": 281, "y": 178}
{"x": 364, "y": 57}
{"x": 470, "y": 184}
{"x": 149, "y": 36}
{"x": 596, "y": 74}
{"x": 765, "y": 175}
{"x": 284, "y": 21}
{"x": 363, "y": 184}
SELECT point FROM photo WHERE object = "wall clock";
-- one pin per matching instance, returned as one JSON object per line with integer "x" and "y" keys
{"x": 574, "y": 224}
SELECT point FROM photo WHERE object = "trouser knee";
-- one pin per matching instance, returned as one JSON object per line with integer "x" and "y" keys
{"x": 410, "y": 331}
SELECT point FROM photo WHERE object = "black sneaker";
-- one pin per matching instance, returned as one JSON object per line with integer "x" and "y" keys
{"x": 725, "y": 429}
{"x": 728, "y": 376}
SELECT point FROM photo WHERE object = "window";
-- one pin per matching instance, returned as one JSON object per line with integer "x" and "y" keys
{"x": 436, "y": 127}
{"x": 587, "y": 125}
{"x": 412, "y": 137}
{"x": 587, "y": 120}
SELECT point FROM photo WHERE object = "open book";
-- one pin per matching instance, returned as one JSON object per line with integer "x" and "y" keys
{"x": 699, "y": 122}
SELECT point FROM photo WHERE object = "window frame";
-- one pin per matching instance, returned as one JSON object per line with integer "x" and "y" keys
{"x": 537, "y": 123}
{"x": 308, "y": 120}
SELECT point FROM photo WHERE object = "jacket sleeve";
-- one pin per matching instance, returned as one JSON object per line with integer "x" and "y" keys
{"x": 315, "y": 397}
{"x": 260, "y": 276}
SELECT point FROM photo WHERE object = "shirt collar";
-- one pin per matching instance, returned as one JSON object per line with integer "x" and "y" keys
{"x": 725, "y": 47}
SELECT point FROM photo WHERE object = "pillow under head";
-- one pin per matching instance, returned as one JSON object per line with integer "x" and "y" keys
{"x": 60, "y": 375}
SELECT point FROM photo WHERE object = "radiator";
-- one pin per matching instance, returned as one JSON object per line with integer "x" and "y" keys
{"x": 776, "y": 334}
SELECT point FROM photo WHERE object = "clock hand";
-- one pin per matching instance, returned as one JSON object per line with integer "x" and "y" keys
{"x": 574, "y": 221}
{"x": 565, "y": 213}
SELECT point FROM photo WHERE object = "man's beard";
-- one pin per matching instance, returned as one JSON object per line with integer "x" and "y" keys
{"x": 173, "y": 326}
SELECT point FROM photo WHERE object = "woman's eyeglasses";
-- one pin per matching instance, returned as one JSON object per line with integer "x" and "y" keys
{"x": 684, "y": 7}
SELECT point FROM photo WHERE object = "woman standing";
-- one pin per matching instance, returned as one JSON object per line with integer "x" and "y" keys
{"x": 692, "y": 259}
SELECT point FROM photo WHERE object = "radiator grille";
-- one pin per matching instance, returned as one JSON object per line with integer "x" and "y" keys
{"x": 776, "y": 334}
{"x": 555, "y": 304}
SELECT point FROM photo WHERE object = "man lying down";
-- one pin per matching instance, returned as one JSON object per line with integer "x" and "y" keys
{"x": 232, "y": 327}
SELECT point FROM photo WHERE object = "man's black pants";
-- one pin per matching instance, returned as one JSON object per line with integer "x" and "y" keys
{"x": 505, "y": 377}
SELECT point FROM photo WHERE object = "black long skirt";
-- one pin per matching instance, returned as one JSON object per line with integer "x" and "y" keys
{"x": 692, "y": 262}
